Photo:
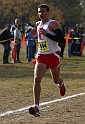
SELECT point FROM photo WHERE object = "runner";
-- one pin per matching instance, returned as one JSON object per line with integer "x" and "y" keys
{"x": 47, "y": 57}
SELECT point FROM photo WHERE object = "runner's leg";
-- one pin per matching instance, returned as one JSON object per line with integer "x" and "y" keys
{"x": 55, "y": 73}
{"x": 39, "y": 71}
{"x": 58, "y": 80}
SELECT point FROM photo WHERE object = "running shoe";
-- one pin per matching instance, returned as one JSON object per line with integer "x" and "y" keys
{"x": 34, "y": 111}
{"x": 62, "y": 90}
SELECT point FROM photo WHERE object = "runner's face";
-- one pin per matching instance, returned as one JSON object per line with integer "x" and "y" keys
{"x": 42, "y": 13}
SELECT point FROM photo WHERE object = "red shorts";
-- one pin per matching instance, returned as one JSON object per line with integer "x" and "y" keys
{"x": 51, "y": 60}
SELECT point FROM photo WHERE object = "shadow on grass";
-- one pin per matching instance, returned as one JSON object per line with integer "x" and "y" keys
{"x": 25, "y": 71}
{"x": 69, "y": 75}
{"x": 14, "y": 71}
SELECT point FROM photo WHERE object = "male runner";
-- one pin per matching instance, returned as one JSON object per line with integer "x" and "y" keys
{"x": 49, "y": 34}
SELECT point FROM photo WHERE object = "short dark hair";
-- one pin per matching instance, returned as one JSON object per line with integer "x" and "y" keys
{"x": 44, "y": 6}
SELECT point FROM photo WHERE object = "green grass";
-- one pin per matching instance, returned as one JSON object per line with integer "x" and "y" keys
{"x": 16, "y": 81}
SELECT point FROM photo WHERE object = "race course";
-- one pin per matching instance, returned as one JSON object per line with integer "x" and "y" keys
{"x": 16, "y": 81}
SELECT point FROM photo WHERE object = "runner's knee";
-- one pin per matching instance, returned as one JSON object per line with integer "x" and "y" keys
{"x": 37, "y": 80}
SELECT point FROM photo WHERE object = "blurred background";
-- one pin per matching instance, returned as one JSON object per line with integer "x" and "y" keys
{"x": 67, "y": 12}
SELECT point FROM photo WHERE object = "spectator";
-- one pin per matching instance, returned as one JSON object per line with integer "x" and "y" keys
{"x": 5, "y": 38}
{"x": 70, "y": 39}
{"x": 30, "y": 44}
{"x": 28, "y": 25}
{"x": 17, "y": 41}
{"x": 62, "y": 45}
{"x": 16, "y": 22}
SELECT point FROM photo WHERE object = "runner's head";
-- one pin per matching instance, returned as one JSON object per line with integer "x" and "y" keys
{"x": 17, "y": 21}
{"x": 43, "y": 11}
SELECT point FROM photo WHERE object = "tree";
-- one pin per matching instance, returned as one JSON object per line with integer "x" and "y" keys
{"x": 71, "y": 10}
{"x": 26, "y": 10}
{"x": 82, "y": 3}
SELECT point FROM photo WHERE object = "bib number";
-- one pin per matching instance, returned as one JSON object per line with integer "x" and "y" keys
{"x": 43, "y": 46}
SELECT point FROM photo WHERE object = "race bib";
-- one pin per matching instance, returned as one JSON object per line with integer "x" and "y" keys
{"x": 43, "y": 46}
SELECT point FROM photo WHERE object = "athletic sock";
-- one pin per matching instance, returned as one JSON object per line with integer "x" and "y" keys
{"x": 36, "y": 105}
{"x": 60, "y": 85}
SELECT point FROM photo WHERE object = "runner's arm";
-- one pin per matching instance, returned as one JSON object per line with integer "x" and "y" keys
{"x": 58, "y": 37}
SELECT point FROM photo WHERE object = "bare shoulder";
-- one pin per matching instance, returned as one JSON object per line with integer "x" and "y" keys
{"x": 37, "y": 23}
{"x": 54, "y": 25}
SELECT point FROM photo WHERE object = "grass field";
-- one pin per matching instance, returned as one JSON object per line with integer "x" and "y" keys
{"x": 16, "y": 81}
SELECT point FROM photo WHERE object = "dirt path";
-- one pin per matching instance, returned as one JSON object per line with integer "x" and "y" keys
{"x": 70, "y": 111}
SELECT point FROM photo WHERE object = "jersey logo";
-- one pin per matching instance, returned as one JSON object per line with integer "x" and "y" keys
{"x": 41, "y": 36}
